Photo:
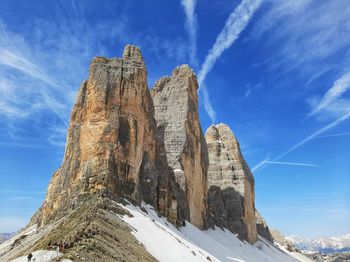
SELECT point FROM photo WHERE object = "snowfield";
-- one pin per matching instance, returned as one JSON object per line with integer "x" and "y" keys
{"x": 168, "y": 243}
{"x": 41, "y": 256}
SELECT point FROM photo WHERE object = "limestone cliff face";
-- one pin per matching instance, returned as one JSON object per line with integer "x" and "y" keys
{"x": 176, "y": 112}
{"x": 111, "y": 143}
{"x": 231, "y": 184}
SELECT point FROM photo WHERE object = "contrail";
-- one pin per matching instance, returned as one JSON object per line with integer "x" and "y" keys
{"x": 235, "y": 24}
{"x": 191, "y": 28}
{"x": 207, "y": 105}
{"x": 334, "y": 135}
{"x": 289, "y": 163}
{"x": 316, "y": 134}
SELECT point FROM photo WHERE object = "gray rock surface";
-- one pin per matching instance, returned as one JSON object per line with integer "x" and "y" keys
{"x": 231, "y": 184}
{"x": 176, "y": 112}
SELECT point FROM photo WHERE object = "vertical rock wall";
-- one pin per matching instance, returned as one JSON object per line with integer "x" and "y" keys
{"x": 176, "y": 112}
{"x": 231, "y": 184}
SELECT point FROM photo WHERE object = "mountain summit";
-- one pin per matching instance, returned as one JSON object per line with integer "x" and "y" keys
{"x": 131, "y": 153}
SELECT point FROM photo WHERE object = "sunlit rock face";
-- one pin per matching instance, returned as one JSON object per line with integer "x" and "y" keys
{"x": 112, "y": 144}
{"x": 231, "y": 184}
{"x": 176, "y": 112}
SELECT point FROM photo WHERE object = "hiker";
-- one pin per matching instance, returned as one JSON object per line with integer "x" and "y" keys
{"x": 30, "y": 257}
{"x": 62, "y": 246}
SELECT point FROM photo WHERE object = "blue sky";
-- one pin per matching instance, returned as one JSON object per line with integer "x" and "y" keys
{"x": 278, "y": 72}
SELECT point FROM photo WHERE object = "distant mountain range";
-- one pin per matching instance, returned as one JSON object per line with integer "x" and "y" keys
{"x": 325, "y": 245}
{"x": 5, "y": 236}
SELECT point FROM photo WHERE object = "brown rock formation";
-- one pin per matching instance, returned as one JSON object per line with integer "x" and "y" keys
{"x": 111, "y": 142}
{"x": 231, "y": 184}
{"x": 262, "y": 227}
{"x": 176, "y": 112}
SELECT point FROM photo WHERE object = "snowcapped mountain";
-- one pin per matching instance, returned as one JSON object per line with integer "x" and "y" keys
{"x": 5, "y": 236}
{"x": 322, "y": 244}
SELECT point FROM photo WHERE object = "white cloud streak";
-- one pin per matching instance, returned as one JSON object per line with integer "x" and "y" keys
{"x": 334, "y": 135}
{"x": 19, "y": 62}
{"x": 290, "y": 163}
{"x": 316, "y": 134}
{"x": 304, "y": 34}
{"x": 207, "y": 105}
{"x": 234, "y": 25}
{"x": 191, "y": 28}
{"x": 330, "y": 100}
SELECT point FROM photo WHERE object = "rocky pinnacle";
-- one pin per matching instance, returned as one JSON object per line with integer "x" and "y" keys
{"x": 176, "y": 112}
{"x": 231, "y": 184}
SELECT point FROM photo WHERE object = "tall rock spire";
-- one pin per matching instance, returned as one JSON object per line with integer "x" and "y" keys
{"x": 231, "y": 184}
{"x": 176, "y": 112}
{"x": 111, "y": 141}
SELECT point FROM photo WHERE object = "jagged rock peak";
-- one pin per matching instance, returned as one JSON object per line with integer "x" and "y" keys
{"x": 231, "y": 184}
{"x": 183, "y": 71}
{"x": 176, "y": 112}
{"x": 132, "y": 52}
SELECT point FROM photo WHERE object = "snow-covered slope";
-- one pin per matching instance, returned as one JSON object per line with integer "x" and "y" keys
{"x": 168, "y": 243}
{"x": 322, "y": 244}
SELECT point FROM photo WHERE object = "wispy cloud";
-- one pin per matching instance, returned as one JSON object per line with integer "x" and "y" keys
{"x": 41, "y": 69}
{"x": 234, "y": 25}
{"x": 330, "y": 101}
{"x": 19, "y": 62}
{"x": 191, "y": 27}
{"x": 316, "y": 134}
{"x": 304, "y": 35}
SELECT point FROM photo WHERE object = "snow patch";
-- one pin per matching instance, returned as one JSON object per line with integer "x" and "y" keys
{"x": 42, "y": 256}
{"x": 168, "y": 243}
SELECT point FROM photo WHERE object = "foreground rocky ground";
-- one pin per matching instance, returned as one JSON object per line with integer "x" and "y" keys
{"x": 93, "y": 230}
